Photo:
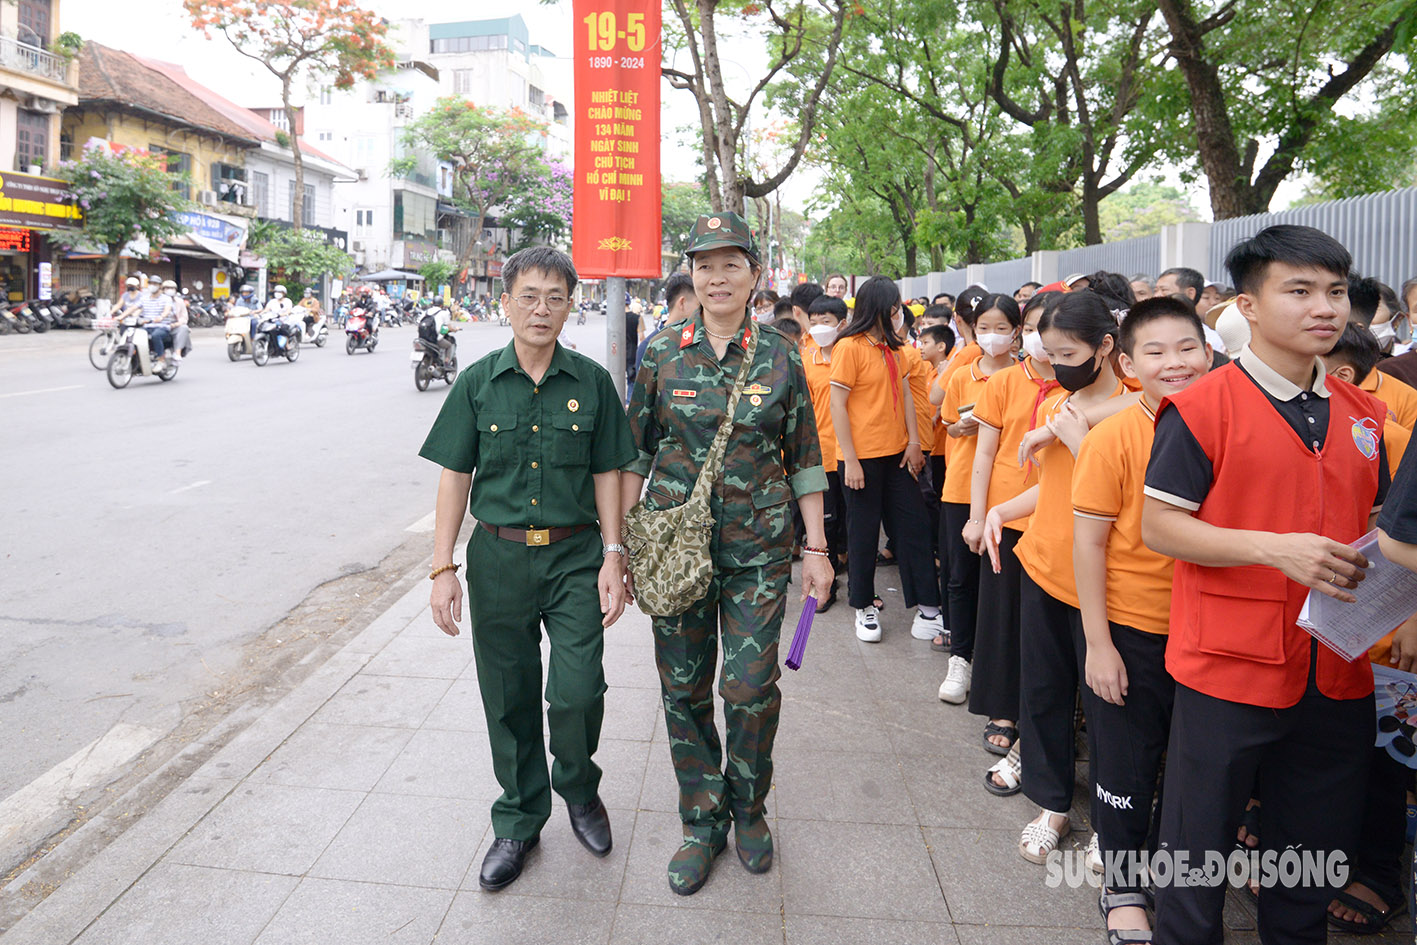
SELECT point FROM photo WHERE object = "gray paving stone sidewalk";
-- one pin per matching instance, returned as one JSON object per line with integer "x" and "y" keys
{"x": 356, "y": 811}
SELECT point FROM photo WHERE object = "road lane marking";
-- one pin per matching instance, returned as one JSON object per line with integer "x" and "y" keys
{"x": 37, "y": 805}
{"x": 195, "y": 485}
{"x": 424, "y": 525}
{"x": 43, "y": 390}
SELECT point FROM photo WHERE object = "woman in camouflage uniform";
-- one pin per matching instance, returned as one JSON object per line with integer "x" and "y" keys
{"x": 773, "y": 457}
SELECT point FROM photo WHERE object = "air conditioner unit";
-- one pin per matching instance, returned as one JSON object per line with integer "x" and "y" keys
{"x": 358, "y": 246}
{"x": 362, "y": 173}
{"x": 207, "y": 197}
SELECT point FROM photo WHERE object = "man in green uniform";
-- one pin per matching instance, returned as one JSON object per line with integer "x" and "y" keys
{"x": 543, "y": 429}
{"x": 772, "y": 458}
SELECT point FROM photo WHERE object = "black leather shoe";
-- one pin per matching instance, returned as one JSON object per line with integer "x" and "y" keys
{"x": 503, "y": 863}
{"x": 591, "y": 825}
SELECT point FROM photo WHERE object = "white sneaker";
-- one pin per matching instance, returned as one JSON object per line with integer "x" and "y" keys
{"x": 868, "y": 625}
{"x": 1094, "y": 855}
{"x": 927, "y": 628}
{"x": 955, "y": 688}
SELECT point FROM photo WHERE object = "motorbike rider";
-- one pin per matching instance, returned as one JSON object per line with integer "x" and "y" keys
{"x": 246, "y": 298}
{"x": 132, "y": 295}
{"x": 311, "y": 305}
{"x": 181, "y": 334}
{"x": 158, "y": 316}
{"x": 435, "y": 326}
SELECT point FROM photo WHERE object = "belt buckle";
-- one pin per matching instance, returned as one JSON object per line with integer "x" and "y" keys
{"x": 538, "y": 536}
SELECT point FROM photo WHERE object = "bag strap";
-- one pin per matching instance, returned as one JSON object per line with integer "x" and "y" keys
{"x": 713, "y": 463}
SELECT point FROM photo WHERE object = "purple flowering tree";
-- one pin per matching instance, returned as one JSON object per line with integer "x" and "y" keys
{"x": 125, "y": 194}
{"x": 542, "y": 211}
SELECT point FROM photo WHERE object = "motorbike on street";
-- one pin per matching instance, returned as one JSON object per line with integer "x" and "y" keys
{"x": 357, "y": 332}
{"x": 427, "y": 357}
{"x": 132, "y": 355}
{"x": 316, "y": 333}
{"x": 275, "y": 336}
{"x": 238, "y": 332}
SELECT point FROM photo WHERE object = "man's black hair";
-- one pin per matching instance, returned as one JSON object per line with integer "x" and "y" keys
{"x": 788, "y": 325}
{"x": 681, "y": 283}
{"x": 543, "y": 258}
{"x": 782, "y": 308}
{"x": 1358, "y": 348}
{"x": 1364, "y": 294}
{"x": 830, "y": 305}
{"x": 1035, "y": 285}
{"x": 941, "y": 333}
{"x": 1248, "y": 260}
{"x": 1186, "y": 278}
{"x": 943, "y": 295}
{"x": 1154, "y": 309}
{"x": 936, "y": 311}
{"x": 804, "y": 294}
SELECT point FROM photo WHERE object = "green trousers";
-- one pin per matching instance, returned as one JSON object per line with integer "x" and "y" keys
{"x": 512, "y": 590}
{"x": 743, "y": 609}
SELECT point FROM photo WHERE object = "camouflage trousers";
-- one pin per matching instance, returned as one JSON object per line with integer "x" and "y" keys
{"x": 743, "y": 611}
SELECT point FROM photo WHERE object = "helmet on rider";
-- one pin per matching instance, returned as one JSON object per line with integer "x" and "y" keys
{"x": 169, "y": 287}
{"x": 279, "y": 290}
{"x": 246, "y": 291}
{"x": 132, "y": 282}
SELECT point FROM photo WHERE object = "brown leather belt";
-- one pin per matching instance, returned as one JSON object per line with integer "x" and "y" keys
{"x": 534, "y": 536}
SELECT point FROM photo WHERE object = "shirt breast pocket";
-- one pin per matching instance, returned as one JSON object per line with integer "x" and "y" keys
{"x": 571, "y": 446}
{"x": 772, "y": 511}
{"x": 1242, "y": 614}
{"x": 758, "y": 411}
{"x": 496, "y": 439}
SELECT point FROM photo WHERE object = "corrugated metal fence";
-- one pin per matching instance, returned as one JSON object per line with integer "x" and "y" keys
{"x": 1141, "y": 255}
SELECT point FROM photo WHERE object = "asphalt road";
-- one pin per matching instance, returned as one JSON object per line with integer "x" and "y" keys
{"x": 147, "y": 534}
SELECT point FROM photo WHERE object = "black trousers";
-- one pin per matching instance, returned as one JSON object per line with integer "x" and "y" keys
{"x": 1311, "y": 761}
{"x": 932, "y": 479}
{"x": 1379, "y": 862}
{"x": 890, "y": 495}
{"x": 1051, "y": 650}
{"x": 834, "y": 517}
{"x": 960, "y": 579}
{"x": 993, "y": 689}
{"x": 1125, "y": 744}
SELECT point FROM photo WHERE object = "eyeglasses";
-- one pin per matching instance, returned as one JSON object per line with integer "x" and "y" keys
{"x": 557, "y": 303}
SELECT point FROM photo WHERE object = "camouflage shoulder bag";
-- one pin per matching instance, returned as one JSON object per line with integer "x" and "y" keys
{"x": 669, "y": 548}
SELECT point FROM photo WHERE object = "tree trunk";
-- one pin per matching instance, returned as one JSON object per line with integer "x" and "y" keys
{"x": 297, "y": 209}
{"x": 108, "y": 279}
{"x": 1091, "y": 218}
{"x": 466, "y": 257}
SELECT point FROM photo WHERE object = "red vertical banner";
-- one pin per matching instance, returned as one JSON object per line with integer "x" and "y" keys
{"x": 616, "y": 226}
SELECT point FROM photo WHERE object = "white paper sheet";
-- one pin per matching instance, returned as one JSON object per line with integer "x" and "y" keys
{"x": 1386, "y": 597}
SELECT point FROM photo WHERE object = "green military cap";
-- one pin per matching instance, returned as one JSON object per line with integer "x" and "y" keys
{"x": 716, "y": 230}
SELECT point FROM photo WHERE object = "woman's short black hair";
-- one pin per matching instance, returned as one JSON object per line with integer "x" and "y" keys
{"x": 764, "y": 295}
{"x": 876, "y": 300}
{"x": 1084, "y": 316}
{"x": 1004, "y": 303}
{"x": 1249, "y": 260}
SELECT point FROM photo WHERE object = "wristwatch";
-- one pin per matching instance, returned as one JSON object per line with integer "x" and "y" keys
{"x": 605, "y": 550}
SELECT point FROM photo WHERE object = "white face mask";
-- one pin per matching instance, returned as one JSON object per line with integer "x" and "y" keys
{"x": 1033, "y": 347}
{"x": 824, "y": 335}
{"x": 1385, "y": 334}
{"x": 994, "y": 344}
{"x": 898, "y": 321}
{"x": 169, "y": 291}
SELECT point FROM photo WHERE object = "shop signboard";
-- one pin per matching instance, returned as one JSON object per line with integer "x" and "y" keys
{"x": 38, "y": 203}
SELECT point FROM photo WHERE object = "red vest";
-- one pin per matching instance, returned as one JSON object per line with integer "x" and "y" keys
{"x": 1234, "y": 634}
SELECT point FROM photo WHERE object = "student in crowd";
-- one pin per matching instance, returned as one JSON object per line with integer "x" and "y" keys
{"x": 1389, "y": 325}
{"x": 1080, "y": 337}
{"x": 937, "y": 343}
{"x": 1256, "y": 696}
{"x": 1011, "y": 404}
{"x": 1124, "y": 597}
{"x": 802, "y": 297}
{"x": 828, "y": 316}
{"x": 996, "y": 322}
{"x": 873, "y": 417}
{"x": 782, "y": 312}
{"x": 1026, "y": 291}
{"x": 1403, "y": 364}
{"x": 922, "y": 376}
{"x": 1354, "y": 359}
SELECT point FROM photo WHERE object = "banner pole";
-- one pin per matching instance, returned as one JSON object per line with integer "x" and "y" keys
{"x": 615, "y": 340}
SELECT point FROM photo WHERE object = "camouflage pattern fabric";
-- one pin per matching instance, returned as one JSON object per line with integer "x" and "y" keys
{"x": 746, "y": 607}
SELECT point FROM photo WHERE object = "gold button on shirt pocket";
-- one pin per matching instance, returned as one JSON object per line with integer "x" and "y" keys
{"x": 570, "y": 438}
{"x": 497, "y": 435}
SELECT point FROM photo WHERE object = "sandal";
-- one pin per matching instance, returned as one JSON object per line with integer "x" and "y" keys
{"x": 941, "y": 643}
{"x": 1039, "y": 839}
{"x": 1377, "y": 919}
{"x": 1010, "y": 771}
{"x": 1250, "y": 820}
{"x": 883, "y": 560}
{"x": 1109, "y": 901}
{"x": 1005, "y": 731}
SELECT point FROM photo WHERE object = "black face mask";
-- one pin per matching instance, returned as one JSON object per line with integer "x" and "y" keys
{"x": 1074, "y": 377}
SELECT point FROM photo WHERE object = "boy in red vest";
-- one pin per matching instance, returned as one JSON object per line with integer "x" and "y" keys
{"x": 1261, "y": 474}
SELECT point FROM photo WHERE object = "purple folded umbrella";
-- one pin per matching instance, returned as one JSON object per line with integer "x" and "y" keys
{"x": 799, "y": 639}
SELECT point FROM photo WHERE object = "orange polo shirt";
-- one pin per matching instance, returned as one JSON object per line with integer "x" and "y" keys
{"x": 1108, "y": 479}
{"x": 818, "y": 367}
{"x": 922, "y": 375}
{"x": 877, "y": 403}
{"x": 1046, "y": 549}
{"x": 965, "y": 388}
{"x": 1011, "y": 403}
{"x": 1400, "y": 398}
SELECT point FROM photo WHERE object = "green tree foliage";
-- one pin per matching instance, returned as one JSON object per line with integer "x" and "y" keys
{"x": 436, "y": 274}
{"x": 125, "y": 195}
{"x": 297, "y": 259}
{"x": 495, "y": 154}
{"x": 683, "y": 204}
{"x": 1143, "y": 209}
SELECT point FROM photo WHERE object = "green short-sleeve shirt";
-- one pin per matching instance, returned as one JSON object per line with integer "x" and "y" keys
{"x": 533, "y": 448}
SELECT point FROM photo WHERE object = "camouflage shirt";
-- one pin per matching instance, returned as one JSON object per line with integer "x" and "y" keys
{"x": 680, "y": 396}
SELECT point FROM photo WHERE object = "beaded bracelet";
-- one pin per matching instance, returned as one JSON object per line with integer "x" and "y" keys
{"x": 447, "y": 567}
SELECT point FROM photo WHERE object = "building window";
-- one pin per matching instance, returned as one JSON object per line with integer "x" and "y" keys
{"x": 66, "y": 144}
{"x": 31, "y": 138}
{"x": 34, "y": 22}
{"x": 278, "y": 118}
{"x": 261, "y": 193}
{"x": 309, "y": 202}
{"x": 327, "y": 96}
{"x": 178, "y": 164}
{"x": 325, "y": 135}
{"x": 229, "y": 183}
{"x": 536, "y": 96}
{"x": 363, "y": 222}
{"x": 462, "y": 81}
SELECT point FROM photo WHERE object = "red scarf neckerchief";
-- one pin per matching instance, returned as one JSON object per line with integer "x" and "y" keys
{"x": 891, "y": 367}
